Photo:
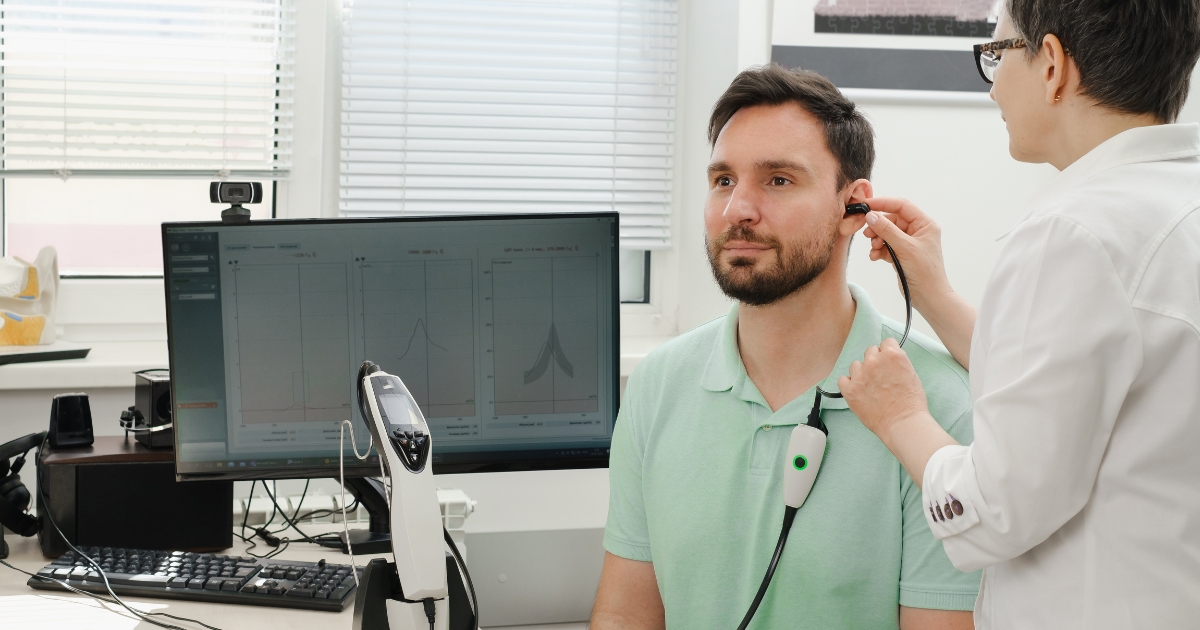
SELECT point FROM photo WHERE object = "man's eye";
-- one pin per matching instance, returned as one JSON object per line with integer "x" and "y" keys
{"x": 779, "y": 181}
{"x": 724, "y": 181}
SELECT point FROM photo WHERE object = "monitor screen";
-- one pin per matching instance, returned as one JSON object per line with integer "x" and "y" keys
{"x": 503, "y": 328}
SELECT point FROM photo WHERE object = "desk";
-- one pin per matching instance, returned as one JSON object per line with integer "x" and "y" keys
{"x": 25, "y": 554}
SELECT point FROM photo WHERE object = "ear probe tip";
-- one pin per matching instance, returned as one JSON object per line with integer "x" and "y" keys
{"x": 858, "y": 208}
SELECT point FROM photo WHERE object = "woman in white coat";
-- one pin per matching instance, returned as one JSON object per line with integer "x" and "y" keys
{"x": 1080, "y": 496}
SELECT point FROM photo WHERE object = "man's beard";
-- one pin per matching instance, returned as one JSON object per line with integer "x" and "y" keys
{"x": 797, "y": 264}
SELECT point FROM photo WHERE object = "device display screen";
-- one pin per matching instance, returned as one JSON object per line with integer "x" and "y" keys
{"x": 395, "y": 405}
{"x": 503, "y": 330}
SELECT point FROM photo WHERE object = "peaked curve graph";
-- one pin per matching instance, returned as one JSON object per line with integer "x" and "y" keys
{"x": 546, "y": 345}
{"x": 552, "y": 348}
{"x": 419, "y": 324}
{"x": 425, "y": 329}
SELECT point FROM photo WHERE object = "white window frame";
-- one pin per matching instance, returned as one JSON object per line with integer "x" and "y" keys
{"x": 132, "y": 310}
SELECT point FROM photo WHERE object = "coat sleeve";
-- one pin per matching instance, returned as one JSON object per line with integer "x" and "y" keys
{"x": 1050, "y": 376}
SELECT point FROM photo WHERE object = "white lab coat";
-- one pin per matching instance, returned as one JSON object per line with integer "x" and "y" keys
{"x": 1081, "y": 492}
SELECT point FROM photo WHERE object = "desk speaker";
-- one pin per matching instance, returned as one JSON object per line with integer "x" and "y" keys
{"x": 152, "y": 397}
{"x": 119, "y": 493}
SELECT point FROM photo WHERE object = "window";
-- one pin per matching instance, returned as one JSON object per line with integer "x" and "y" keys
{"x": 484, "y": 106}
{"x": 635, "y": 276}
{"x": 134, "y": 107}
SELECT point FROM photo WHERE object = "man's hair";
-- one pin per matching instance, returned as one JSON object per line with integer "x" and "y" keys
{"x": 1134, "y": 56}
{"x": 848, "y": 135}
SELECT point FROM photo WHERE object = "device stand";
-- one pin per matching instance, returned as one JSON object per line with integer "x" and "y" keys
{"x": 236, "y": 214}
{"x": 377, "y": 539}
{"x": 379, "y": 584}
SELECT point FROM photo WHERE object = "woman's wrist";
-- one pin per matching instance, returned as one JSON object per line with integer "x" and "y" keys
{"x": 913, "y": 440}
{"x": 936, "y": 298}
{"x": 952, "y": 319}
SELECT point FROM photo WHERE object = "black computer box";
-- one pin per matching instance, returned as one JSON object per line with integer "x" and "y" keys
{"x": 118, "y": 493}
{"x": 152, "y": 397}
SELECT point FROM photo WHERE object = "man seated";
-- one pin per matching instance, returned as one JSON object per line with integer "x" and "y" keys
{"x": 697, "y": 456}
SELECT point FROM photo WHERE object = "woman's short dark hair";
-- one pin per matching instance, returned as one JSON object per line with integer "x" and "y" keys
{"x": 1134, "y": 56}
{"x": 848, "y": 135}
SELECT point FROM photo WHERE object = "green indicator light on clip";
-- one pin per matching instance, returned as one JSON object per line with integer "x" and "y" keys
{"x": 800, "y": 462}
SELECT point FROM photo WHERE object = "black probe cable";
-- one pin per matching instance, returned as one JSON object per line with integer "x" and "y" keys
{"x": 814, "y": 420}
{"x": 462, "y": 566}
{"x": 789, "y": 514}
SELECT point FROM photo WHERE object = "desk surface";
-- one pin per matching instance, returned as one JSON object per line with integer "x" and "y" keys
{"x": 25, "y": 554}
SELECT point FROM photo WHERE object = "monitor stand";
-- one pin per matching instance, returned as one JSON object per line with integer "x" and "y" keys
{"x": 377, "y": 537}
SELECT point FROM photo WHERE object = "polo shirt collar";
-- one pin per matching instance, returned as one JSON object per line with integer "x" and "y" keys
{"x": 725, "y": 371}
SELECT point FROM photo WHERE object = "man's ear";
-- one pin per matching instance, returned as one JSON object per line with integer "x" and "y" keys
{"x": 857, "y": 191}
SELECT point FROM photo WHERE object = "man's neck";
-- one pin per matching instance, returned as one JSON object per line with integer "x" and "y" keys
{"x": 793, "y": 344}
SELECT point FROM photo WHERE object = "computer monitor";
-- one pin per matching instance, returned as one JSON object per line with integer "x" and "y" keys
{"x": 504, "y": 328}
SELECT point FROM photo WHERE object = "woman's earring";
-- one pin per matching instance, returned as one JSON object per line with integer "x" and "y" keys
{"x": 1057, "y": 98}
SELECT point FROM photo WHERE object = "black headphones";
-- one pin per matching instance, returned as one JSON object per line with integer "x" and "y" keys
{"x": 14, "y": 496}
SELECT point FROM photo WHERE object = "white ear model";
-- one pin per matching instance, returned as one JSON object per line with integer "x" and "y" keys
{"x": 806, "y": 450}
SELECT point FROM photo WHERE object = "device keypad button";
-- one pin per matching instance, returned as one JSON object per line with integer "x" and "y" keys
{"x": 213, "y": 584}
{"x": 196, "y": 582}
{"x": 291, "y": 575}
{"x": 339, "y": 592}
{"x": 178, "y": 582}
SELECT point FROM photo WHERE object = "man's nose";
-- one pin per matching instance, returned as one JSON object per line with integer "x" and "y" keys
{"x": 743, "y": 206}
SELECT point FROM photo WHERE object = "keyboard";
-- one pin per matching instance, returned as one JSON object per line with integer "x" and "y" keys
{"x": 205, "y": 577}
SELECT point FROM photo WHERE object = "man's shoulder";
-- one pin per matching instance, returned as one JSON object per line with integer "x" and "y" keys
{"x": 947, "y": 385}
{"x": 690, "y": 349}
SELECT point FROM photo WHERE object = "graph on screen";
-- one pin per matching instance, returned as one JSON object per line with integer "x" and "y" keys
{"x": 419, "y": 324}
{"x": 293, "y": 342}
{"x": 545, "y": 347}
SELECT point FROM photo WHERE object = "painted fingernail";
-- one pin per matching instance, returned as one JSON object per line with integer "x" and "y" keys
{"x": 872, "y": 218}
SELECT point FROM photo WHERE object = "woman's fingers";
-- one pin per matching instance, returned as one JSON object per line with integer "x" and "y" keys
{"x": 906, "y": 210}
{"x": 916, "y": 239}
{"x": 883, "y": 388}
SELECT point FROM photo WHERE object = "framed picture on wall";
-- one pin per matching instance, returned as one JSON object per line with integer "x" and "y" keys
{"x": 920, "y": 45}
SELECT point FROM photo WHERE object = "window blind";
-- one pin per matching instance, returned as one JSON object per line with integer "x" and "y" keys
{"x": 169, "y": 87}
{"x": 498, "y": 106}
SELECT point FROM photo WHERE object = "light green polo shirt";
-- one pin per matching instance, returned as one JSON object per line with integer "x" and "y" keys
{"x": 696, "y": 475}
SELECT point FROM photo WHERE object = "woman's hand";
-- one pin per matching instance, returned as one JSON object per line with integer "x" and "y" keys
{"x": 885, "y": 393}
{"x": 883, "y": 390}
{"x": 917, "y": 240}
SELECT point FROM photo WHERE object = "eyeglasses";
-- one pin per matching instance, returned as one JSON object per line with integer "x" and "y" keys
{"x": 986, "y": 59}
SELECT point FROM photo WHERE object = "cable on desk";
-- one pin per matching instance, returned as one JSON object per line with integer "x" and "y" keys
{"x": 108, "y": 587}
{"x": 303, "y": 537}
{"x": 101, "y": 598}
{"x": 296, "y": 514}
